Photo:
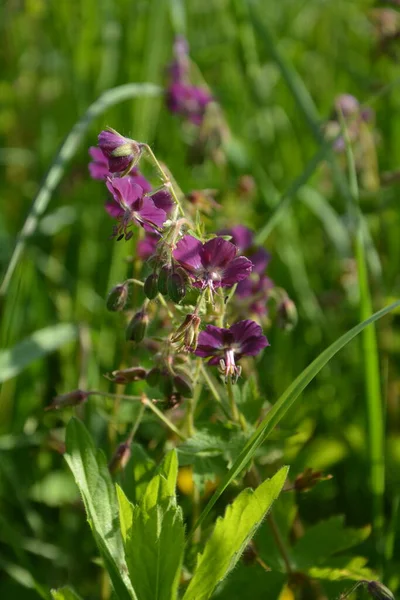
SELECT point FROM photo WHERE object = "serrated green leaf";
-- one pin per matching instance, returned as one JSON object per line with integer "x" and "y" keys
{"x": 37, "y": 345}
{"x": 125, "y": 512}
{"x": 143, "y": 470}
{"x": 154, "y": 550}
{"x": 343, "y": 567}
{"x": 64, "y": 593}
{"x": 162, "y": 486}
{"x": 231, "y": 535}
{"x": 93, "y": 479}
{"x": 325, "y": 539}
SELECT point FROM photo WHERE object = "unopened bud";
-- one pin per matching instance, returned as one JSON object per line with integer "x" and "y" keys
{"x": 287, "y": 314}
{"x": 163, "y": 279}
{"x": 117, "y": 298}
{"x": 379, "y": 591}
{"x": 151, "y": 287}
{"x": 122, "y": 153}
{"x": 176, "y": 286}
{"x": 308, "y": 479}
{"x": 127, "y": 375}
{"x": 137, "y": 326}
{"x": 188, "y": 333}
{"x": 120, "y": 458}
{"x": 183, "y": 386}
{"x": 166, "y": 383}
{"x": 153, "y": 377}
{"x": 70, "y": 399}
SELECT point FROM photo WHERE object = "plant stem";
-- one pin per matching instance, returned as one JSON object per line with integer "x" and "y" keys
{"x": 232, "y": 403}
{"x": 374, "y": 407}
{"x": 165, "y": 178}
{"x": 147, "y": 402}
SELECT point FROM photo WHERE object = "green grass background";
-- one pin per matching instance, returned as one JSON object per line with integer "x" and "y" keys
{"x": 56, "y": 59}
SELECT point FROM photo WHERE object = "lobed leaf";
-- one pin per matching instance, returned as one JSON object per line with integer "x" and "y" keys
{"x": 231, "y": 535}
{"x": 93, "y": 479}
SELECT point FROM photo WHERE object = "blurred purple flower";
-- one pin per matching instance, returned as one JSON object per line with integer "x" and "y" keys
{"x": 243, "y": 238}
{"x": 188, "y": 100}
{"x": 147, "y": 246}
{"x": 129, "y": 204}
{"x": 255, "y": 291}
{"x": 213, "y": 264}
{"x": 225, "y": 346}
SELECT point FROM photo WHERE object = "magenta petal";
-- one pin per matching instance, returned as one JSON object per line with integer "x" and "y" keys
{"x": 239, "y": 268}
{"x": 163, "y": 199}
{"x": 124, "y": 190}
{"x": 187, "y": 253}
{"x": 114, "y": 209}
{"x": 218, "y": 253}
{"x": 98, "y": 171}
{"x": 151, "y": 214}
{"x": 249, "y": 337}
{"x": 242, "y": 236}
{"x": 98, "y": 155}
{"x": 146, "y": 247}
{"x": 212, "y": 337}
{"x": 140, "y": 179}
{"x": 118, "y": 164}
{"x": 260, "y": 259}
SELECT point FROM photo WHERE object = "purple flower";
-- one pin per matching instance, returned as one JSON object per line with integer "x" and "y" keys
{"x": 188, "y": 100}
{"x": 147, "y": 246}
{"x": 179, "y": 68}
{"x": 98, "y": 168}
{"x": 224, "y": 346}
{"x": 122, "y": 152}
{"x": 243, "y": 238}
{"x": 129, "y": 205}
{"x": 213, "y": 264}
{"x": 254, "y": 291}
{"x": 163, "y": 199}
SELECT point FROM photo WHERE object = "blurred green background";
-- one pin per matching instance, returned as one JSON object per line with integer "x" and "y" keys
{"x": 56, "y": 59}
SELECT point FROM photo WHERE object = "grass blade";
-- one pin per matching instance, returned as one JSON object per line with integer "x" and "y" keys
{"x": 41, "y": 342}
{"x": 64, "y": 155}
{"x": 284, "y": 403}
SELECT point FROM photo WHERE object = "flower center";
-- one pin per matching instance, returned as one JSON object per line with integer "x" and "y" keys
{"x": 228, "y": 365}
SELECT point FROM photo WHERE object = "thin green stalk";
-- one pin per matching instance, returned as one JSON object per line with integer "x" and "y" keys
{"x": 147, "y": 403}
{"x": 232, "y": 403}
{"x": 375, "y": 417}
{"x": 64, "y": 155}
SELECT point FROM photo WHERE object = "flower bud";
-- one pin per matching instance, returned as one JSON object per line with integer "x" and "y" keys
{"x": 379, "y": 591}
{"x": 153, "y": 377}
{"x": 117, "y": 298}
{"x": 122, "y": 153}
{"x": 166, "y": 383}
{"x": 163, "y": 279}
{"x": 127, "y": 375}
{"x": 176, "y": 287}
{"x": 120, "y": 458}
{"x": 70, "y": 399}
{"x": 188, "y": 333}
{"x": 287, "y": 314}
{"x": 137, "y": 326}
{"x": 151, "y": 287}
{"x": 183, "y": 386}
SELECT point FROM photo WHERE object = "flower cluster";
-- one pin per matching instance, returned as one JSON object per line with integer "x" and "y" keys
{"x": 182, "y": 96}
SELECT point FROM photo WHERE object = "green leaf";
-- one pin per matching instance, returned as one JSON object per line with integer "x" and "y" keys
{"x": 231, "y": 535}
{"x": 251, "y": 581}
{"x": 93, "y": 479}
{"x": 343, "y": 567}
{"x": 143, "y": 470}
{"x": 324, "y": 539}
{"x": 285, "y": 402}
{"x": 38, "y": 344}
{"x": 153, "y": 535}
{"x": 162, "y": 486}
{"x": 154, "y": 550}
{"x": 64, "y": 593}
{"x": 210, "y": 450}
